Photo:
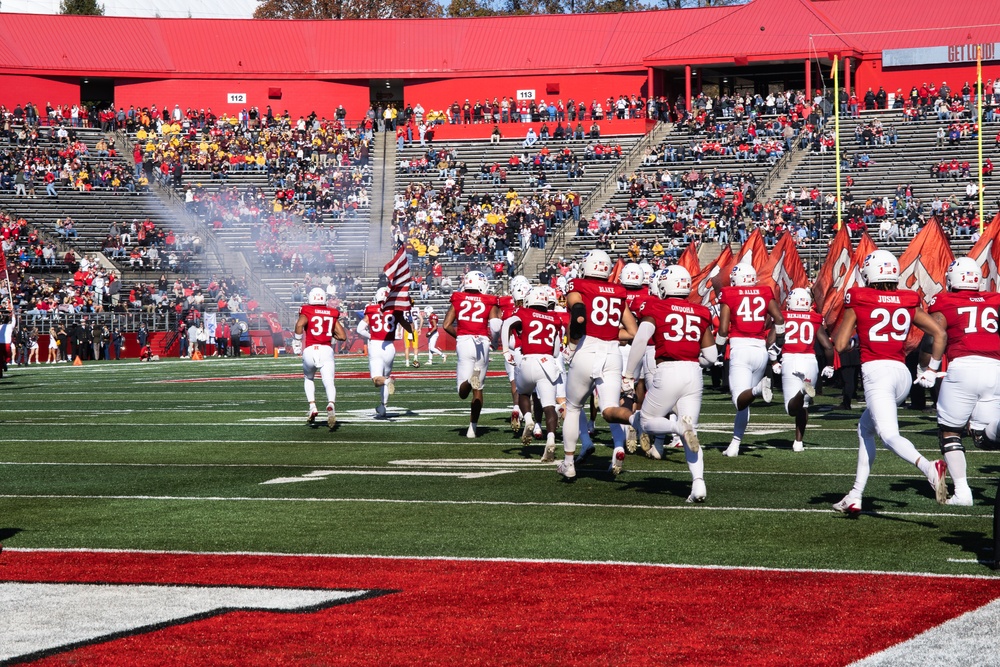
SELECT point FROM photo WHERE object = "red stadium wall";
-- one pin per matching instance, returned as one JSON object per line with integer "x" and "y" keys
{"x": 439, "y": 93}
{"x": 299, "y": 97}
{"x": 870, "y": 74}
{"x": 18, "y": 89}
{"x": 609, "y": 127}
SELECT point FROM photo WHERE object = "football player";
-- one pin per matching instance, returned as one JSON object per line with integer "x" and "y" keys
{"x": 519, "y": 288}
{"x": 635, "y": 283}
{"x": 472, "y": 318}
{"x": 539, "y": 336}
{"x": 798, "y": 367}
{"x": 598, "y": 320}
{"x": 970, "y": 392}
{"x": 411, "y": 338}
{"x": 321, "y": 325}
{"x": 882, "y": 314}
{"x": 748, "y": 311}
{"x": 378, "y": 325}
{"x": 431, "y": 318}
{"x": 683, "y": 342}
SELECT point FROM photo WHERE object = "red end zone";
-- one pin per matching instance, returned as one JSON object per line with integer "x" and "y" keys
{"x": 515, "y": 613}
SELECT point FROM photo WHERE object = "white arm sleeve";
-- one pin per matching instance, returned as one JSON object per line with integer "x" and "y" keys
{"x": 495, "y": 324}
{"x": 505, "y": 333}
{"x": 639, "y": 343}
{"x": 363, "y": 329}
{"x": 709, "y": 355}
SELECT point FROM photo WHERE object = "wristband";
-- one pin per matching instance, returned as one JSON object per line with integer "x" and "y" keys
{"x": 779, "y": 329}
{"x": 721, "y": 340}
{"x": 934, "y": 364}
{"x": 297, "y": 336}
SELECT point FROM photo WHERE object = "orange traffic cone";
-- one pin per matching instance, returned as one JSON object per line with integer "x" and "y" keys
{"x": 276, "y": 352}
{"x": 197, "y": 356}
{"x": 77, "y": 361}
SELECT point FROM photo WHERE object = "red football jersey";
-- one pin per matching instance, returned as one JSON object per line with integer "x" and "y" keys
{"x": 800, "y": 331}
{"x": 563, "y": 317}
{"x": 884, "y": 321}
{"x": 432, "y": 323}
{"x": 320, "y": 323}
{"x": 539, "y": 331}
{"x": 635, "y": 298}
{"x": 747, "y": 310}
{"x": 604, "y": 302}
{"x": 680, "y": 325}
{"x": 381, "y": 323}
{"x": 472, "y": 313}
{"x": 973, "y": 322}
{"x": 507, "y": 307}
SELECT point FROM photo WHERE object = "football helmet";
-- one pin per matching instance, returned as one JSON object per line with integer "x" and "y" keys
{"x": 647, "y": 273}
{"x": 964, "y": 274}
{"x": 519, "y": 280}
{"x": 537, "y": 297}
{"x": 880, "y": 267}
{"x": 476, "y": 281}
{"x": 520, "y": 291}
{"x": 317, "y": 296}
{"x": 552, "y": 296}
{"x": 743, "y": 275}
{"x": 673, "y": 281}
{"x": 800, "y": 300}
{"x": 632, "y": 276}
{"x": 428, "y": 310}
{"x": 597, "y": 264}
{"x": 381, "y": 295}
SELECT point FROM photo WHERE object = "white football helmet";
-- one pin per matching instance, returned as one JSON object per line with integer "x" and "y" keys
{"x": 551, "y": 295}
{"x": 537, "y": 297}
{"x": 880, "y": 267}
{"x": 672, "y": 281}
{"x": 428, "y": 310}
{"x": 964, "y": 274}
{"x": 520, "y": 291}
{"x": 476, "y": 281}
{"x": 317, "y": 296}
{"x": 743, "y": 275}
{"x": 381, "y": 295}
{"x": 519, "y": 280}
{"x": 597, "y": 264}
{"x": 632, "y": 276}
{"x": 800, "y": 300}
{"x": 647, "y": 273}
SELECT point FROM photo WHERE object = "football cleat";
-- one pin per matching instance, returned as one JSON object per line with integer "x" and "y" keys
{"x": 311, "y": 415}
{"x": 848, "y": 505}
{"x": 765, "y": 390}
{"x": 585, "y": 453}
{"x": 631, "y": 442}
{"x": 549, "y": 455}
{"x": 676, "y": 442}
{"x": 644, "y": 442}
{"x": 567, "y": 469}
{"x": 331, "y": 416}
{"x": 797, "y": 446}
{"x": 476, "y": 382}
{"x": 471, "y": 433}
{"x": 808, "y": 388}
{"x": 617, "y": 461}
{"x": 444, "y": 358}
{"x": 698, "y": 491}
{"x": 536, "y": 433}
{"x": 515, "y": 421}
{"x": 380, "y": 412}
{"x": 526, "y": 435}
{"x": 961, "y": 499}
{"x": 937, "y": 480}
{"x": 733, "y": 449}
{"x": 655, "y": 452}
{"x": 690, "y": 435}
{"x": 390, "y": 385}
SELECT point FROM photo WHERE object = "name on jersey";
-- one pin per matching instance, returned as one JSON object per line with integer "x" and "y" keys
{"x": 977, "y": 299}
{"x": 606, "y": 290}
{"x": 887, "y": 298}
{"x": 678, "y": 308}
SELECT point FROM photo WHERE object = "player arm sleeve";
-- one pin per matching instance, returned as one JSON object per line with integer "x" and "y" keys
{"x": 709, "y": 355}
{"x": 363, "y": 329}
{"x": 505, "y": 333}
{"x": 638, "y": 351}
{"x": 577, "y": 321}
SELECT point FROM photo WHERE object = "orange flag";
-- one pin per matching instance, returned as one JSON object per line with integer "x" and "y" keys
{"x": 702, "y": 287}
{"x": 834, "y": 267}
{"x": 753, "y": 252}
{"x": 922, "y": 269}
{"x": 987, "y": 253}
{"x": 833, "y": 306}
{"x": 616, "y": 270}
{"x": 784, "y": 270}
{"x": 689, "y": 259}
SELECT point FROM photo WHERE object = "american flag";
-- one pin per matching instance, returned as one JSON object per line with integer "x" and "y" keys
{"x": 397, "y": 272}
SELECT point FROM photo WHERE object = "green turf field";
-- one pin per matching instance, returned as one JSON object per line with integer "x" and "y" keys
{"x": 113, "y": 455}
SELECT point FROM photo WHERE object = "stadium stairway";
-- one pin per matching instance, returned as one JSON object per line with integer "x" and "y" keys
{"x": 379, "y": 246}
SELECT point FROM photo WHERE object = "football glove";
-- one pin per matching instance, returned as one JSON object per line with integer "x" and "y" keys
{"x": 509, "y": 357}
{"x": 773, "y": 351}
{"x": 296, "y": 347}
{"x": 827, "y": 372}
{"x": 776, "y": 367}
{"x": 925, "y": 377}
{"x": 628, "y": 385}
{"x": 568, "y": 353}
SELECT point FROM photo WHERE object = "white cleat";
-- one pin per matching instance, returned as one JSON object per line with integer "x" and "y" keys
{"x": 526, "y": 437}
{"x": 848, "y": 505}
{"x": 536, "y": 433}
{"x": 585, "y": 453}
{"x": 798, "y": 446}
{"x": 549, "y": 455}
{"x": 961, "y": 500}
{"x": 808, "y": 388}
{"x": 655, "y": 451}
{"x": 698, "y": 491}
{"x": 331, "y": 416}
{"x": 937, "y": 480}
{"x": 690, "y": 435}
{"x": 733, "y": 449}
{"x": 471, "y": 433}
{"x": 476, "y": 382}
{"x": 390, "y": 386}
{"x": 444, "y": 358}
{"x": 765, "y": 390}
{"x": 645, "y": 443}
{"x": 311, "y": 415}
{"x": 617, "y": 461}
{"x": 515, "y": 421}
{"x": 631, "y": 441}
{"x": 566, "y": 469}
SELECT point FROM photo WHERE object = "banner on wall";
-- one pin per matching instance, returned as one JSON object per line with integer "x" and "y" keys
{"x": 939, "y": 55}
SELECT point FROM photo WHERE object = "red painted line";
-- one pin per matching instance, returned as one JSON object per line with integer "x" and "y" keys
{"x": 518, "y": 613}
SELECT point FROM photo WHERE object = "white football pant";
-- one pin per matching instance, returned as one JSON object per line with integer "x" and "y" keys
{"x": 473, "y": 353}
{"x": 794, "y": 368}
{"x": 318, "y": 358}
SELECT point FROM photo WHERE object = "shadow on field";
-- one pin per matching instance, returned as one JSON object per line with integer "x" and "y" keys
{"x": 871, "y": 507}
{"x": 978, "y": 544}
{"x": 7, "y": 533}
{"x": 660, "y": 486}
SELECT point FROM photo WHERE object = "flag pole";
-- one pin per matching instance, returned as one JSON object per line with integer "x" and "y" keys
{"x": 836, "y": 132}
{"x": 979, "y": 126}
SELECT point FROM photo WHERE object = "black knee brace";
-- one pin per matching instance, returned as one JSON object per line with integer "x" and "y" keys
{"x": 980, "y": 440}
{"x": 950, "y": 443}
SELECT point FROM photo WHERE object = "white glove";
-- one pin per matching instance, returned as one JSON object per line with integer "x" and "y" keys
{"x": 925, "y": 377}
{"x": 773, "y": 352}
{"x": 827, "y": 372}
{"x": 568, "y": 353}
{"x": 509, "y": 357}
{"x": 628, "y": 385}
{"x": 296, "y": 347}
{"x": 776, "y": 367}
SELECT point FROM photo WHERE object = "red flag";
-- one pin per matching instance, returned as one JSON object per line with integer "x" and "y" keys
{"x": 689, "y": 259}
{"x": 702, "y": 284}
{"x": 834, "y": 267}
{"x": 833, "y": 306}
{"x": 616, "y": 270}
{"x": 397, "y": 272}
{"x": 784, "y": 270}
{"x": 3, "y": 261}
{"x": 922, "y": 269}
{"x": 986, "y": 252}
{"x": 753, "y": 252}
